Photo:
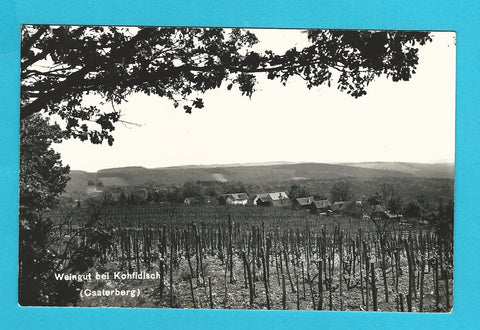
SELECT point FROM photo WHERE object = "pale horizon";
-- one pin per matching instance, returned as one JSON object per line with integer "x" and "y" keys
{"x": 410, "y": 122}
{"x": 264, "y": 164}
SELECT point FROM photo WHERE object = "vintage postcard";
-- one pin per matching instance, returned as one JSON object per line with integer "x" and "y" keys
{"x": 223, "y": 168}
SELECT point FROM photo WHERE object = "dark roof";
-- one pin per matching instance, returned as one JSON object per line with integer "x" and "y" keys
{"x": 304, "y": 201}
{"x": 321, "y": 204}
{"x": 264, "y": 197}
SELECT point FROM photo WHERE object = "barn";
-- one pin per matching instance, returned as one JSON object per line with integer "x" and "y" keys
{"x": 234, "y": 199}
{"x": 272, "y": 199}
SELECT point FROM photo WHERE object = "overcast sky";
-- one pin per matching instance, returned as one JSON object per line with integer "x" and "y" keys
{"x": 410, "y": 121}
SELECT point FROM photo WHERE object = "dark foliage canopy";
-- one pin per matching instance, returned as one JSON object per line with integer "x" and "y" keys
{"x": 61, "y": 65}
{"x": 341, "y": 191}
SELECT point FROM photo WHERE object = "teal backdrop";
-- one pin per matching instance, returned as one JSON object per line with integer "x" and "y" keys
{"x": 461, "y": 16}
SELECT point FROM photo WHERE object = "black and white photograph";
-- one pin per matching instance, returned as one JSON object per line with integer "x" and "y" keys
{"x": 235, "y": 168}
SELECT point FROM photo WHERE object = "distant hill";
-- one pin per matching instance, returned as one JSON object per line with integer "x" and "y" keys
{"x": 444, "y": 170}
{"x": 251, "y": 173}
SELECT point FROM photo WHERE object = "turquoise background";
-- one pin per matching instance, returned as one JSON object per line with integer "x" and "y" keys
{"x": 462, "y": 16}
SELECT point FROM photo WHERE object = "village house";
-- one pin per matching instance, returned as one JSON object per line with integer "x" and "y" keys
{"x": 393, "y": 216}
{"x": 302, "y": 202}
{"x": 339, "y": 206}
{"x": 379, "y": 212}
{"x": 320, "y": 207}
{"x": 234, "y": 199}
{"x": 272, "y": 199}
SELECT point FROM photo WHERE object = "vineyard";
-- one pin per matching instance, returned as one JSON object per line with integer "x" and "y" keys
{"x": 265, "y": 258}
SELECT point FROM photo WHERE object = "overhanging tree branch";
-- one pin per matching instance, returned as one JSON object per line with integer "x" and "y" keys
{"x": 178, "y": 62}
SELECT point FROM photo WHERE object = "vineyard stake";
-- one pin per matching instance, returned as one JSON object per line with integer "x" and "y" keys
{"x": 367, "y": 262}
{"x": 437, "y": 293}
{"x": 330, "y": 284}
{"x": 210, "y": 291}
{"x": 254, "y": 257}
{"x": 135, "y": 249}
{"x": 276, "y": 266}
{"x": 443, "y": 273}
{"x": 320, "y": 286}
{"x": 245, "y": 276}
{"x": 230, "y": 250}
{"x": 340, "y": 276}
{"x": 384, "y": 265}
{"x": 250, "y": 284}
{"x": 267, "y": 255}
{"x": 190, "y": 267}
{"x": 265, "y": 279}
{"x": 422, "y": 275}
{"x": 171, "y": 272}
{"x": 288, "y": 271}
{"x": 129, "y": 254}
{"x": 447, "y": 291}
{"x": 360, "y": 265}
{"x": 374, "y": 287}
{"x": 411, "y": 282}
{"x": 303, "y": 280}
{"x": 187, "y": 251}
{"x": 197, "y": 259}
{"x": 298, "y": 293}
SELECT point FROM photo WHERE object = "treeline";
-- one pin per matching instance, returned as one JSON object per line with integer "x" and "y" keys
{"x": 407, "y": 187}
{"x": 430, "y": 208}
{"x": 147, "y": 194}
{"x": 421, "y": 198}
